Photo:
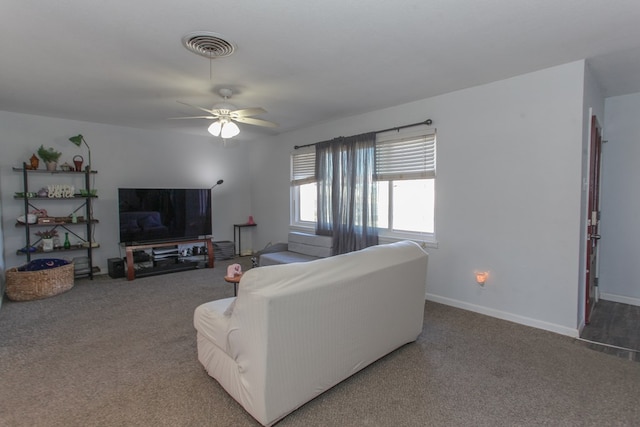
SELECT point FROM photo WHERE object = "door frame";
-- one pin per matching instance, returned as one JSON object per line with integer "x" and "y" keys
{"x": 593, "y": 217}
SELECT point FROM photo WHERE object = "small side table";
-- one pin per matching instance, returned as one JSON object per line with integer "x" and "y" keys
{"x": 235, "y": 280}
{"x": 239, "y": 228}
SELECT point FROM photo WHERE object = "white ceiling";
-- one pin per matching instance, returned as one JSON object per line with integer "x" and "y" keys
{"x": 123, "y": 63}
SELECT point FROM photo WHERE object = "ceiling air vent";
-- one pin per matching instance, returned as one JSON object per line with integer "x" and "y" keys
{"x": 207, "y": 44}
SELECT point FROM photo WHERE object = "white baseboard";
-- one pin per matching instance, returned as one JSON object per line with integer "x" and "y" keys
{"x": 552, "y": 327}
{"x": 620, "y": 298}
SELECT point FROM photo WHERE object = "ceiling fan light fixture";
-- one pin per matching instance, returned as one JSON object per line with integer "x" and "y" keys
{"x": 229, "y": 130}
{"x": 215, "y": 128}
{"x": 224, "y": 128}
{"x": 225, "y": 115}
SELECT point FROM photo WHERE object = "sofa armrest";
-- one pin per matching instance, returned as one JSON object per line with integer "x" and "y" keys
{"x": 212, "y": 320}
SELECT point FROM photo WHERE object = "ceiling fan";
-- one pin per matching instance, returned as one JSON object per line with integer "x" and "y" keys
{"x": 225, "y": 114}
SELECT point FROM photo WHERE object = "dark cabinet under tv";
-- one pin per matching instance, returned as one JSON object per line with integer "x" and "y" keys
{"x": 162, "y": 268}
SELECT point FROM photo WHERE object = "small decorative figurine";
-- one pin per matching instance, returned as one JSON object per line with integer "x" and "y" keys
{"x": 35, "y": 162}
{"x": 234, "y": 270}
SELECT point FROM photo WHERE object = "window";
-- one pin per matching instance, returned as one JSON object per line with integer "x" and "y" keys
{"x": 405, "y": 172}
{"x": 308, "y": 202}
{"x": 405, "y": 212}
{"x": 303, "y": 187}
{"x": 405, "y": 176}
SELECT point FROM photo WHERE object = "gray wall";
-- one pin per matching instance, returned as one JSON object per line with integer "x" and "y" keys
{"x": 123, "y": 157}
{"x": 620, "y": 228}
{"x": 508, "y": 192}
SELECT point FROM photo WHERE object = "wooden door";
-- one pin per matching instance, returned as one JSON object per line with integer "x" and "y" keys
{"x": 593, "y": 222}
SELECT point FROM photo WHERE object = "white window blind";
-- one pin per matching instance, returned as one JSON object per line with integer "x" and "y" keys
{"x": 397, "y": 158}
{"x": 411, "y": 157}
{"x": 303, "y": 166}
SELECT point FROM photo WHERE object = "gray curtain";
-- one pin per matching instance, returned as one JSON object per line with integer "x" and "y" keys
{"x": 346, "y": 192}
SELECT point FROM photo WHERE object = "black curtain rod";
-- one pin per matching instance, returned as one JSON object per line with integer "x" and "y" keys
{"x": 427, "y": 122}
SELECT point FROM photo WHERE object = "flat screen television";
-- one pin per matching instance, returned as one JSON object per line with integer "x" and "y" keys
{"x": 150, "y": 215}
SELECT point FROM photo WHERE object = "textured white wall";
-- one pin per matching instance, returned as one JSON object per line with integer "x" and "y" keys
{"x": 620, "y": 227}
{"x": 508, "y": 192}
{"x": 123, "y": 157}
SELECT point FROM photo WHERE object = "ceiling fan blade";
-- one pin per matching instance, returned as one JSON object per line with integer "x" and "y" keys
{"x": 195, "y": 106}
{"x": 256, "y": 122}
{"x": 248, "y": 112}
{"x": 193, "y": 117}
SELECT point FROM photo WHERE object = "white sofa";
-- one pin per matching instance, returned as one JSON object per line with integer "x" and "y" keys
{"x": 296, "y": 330}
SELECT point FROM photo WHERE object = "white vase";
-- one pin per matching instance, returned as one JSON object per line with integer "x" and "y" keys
{"x": 47, "y": 245}
{"x": 51, "y": 166}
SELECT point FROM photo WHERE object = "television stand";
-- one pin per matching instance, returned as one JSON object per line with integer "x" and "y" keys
{"x": 166, "y": 268}
{"x": 131, "y": 273}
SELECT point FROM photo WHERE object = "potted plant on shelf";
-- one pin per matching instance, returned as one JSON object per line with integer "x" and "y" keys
{"x": 49, "y": 156}
{"x": 47, "y": 239}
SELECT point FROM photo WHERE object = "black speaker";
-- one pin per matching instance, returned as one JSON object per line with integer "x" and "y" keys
{"x": 116, "y": 267}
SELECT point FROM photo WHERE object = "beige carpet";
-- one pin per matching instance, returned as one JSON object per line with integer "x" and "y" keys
{"x": 118, "y": 353}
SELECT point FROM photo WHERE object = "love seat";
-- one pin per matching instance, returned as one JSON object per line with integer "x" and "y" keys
{"x": 296, "y": 330}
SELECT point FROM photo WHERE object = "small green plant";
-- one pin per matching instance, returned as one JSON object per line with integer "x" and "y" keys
{"x": 48, "y": 154}
{"x": 47, "y": 234}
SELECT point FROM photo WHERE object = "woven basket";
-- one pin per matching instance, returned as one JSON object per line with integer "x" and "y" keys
{"x": 32, "y": 285}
